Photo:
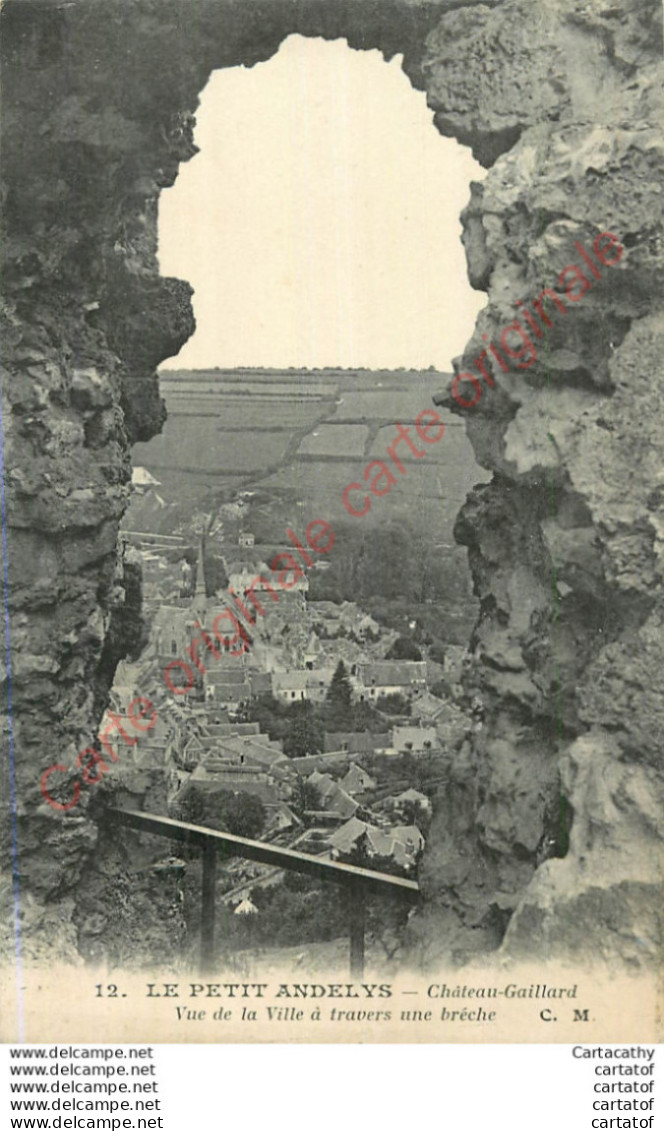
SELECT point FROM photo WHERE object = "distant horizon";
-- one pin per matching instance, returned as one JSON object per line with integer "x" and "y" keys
{"x": 302, "y": 369}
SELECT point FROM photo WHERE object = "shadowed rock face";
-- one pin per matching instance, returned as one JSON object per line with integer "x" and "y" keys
{"x": 546, "y": 839}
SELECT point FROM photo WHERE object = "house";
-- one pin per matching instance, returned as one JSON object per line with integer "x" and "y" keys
{"x": 121, "y": 741}
{"x": 333, "y": 799}
{"x": 260, "y": 683}
{"x": 255, "y": 750}
{"x": 427, "y": 709}
{"x": 334, "y": 759}
{"x": 357, "y": 780}
{"x": 451, "y": 725}
{"x": 246, "y": 539}
{"x": 257, "y": 576}
{"x": 313, "y": 653}
{"x": 163, "y": 732}
{"x": 146, "y": 758}
{"x": 415, "y": 740}
{"x": 242, "y": 574}
{"x": 226, "y": 687}
{"x": 283, "y": 819}
{"x": 456, "y": 662}
{"x": 155, "y": 570}
{"x": 318, "y": 681}
{"x": 216, "y": 776}
{"x": 401, "y": 844}
{"x": 290, "y": 686}
{"x": 121, "y": 695}
{"x": 182, "y": 716}
{"x": 411, "y": 798}
{"x": 326, "y": 617}
{"x": 410, "y": 836}
{"x": 294, "y": 686}
{"x": 368, "y": 628}
{"x": 355, "y": 742}
{"x": 172, "y": 631}
{"x": 246, "y": 907}
{"x": 142, "y": 479}
{"x": 216, "y": 772}
{"x": 193, "y": 752}
{"x": 228, "y": 730}
{"x": 331, "y": 620}
{"x": 391, "y": 677}
{"x": 343, "y": 841}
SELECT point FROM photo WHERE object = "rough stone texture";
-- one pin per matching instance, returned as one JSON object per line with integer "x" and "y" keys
{"x": 130, "y": 898}
{"x": 565, "y": 542}
{"x": 562, "y": 100}
{"x": 603, "y": 901}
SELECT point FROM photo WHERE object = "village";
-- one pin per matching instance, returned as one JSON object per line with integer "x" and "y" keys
{"x": 317, "y": 736}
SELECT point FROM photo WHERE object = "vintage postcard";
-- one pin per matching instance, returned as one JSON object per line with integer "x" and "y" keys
{"x": 332, "y": 509}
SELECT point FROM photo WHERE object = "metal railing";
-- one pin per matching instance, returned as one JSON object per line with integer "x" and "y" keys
{"x": 359, "y": 881}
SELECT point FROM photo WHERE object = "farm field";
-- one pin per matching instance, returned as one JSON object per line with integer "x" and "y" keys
{"x": 195, "y": 444}
{"x": 346, "y": 440}
{"x": 391, "y": 404}
{"x": 303, "y": 450}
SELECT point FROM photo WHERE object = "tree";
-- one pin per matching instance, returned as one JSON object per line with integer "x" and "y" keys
{"x": 404, "y": 649}
{"x": 366, "y": 717}
{"x": 394, "y": 704}
{"x": 270, "y": 713}
{"x": 191, "y": 808}
{"x": 437, "y": 653}
{"x": 415, "y": 813}
{"x": 303, "y": 733}
{"x": 306, "y": 798}
{"x": 243, "y": 814}
{"x": 339, "y": 700}
{"x": 390, "y": 562}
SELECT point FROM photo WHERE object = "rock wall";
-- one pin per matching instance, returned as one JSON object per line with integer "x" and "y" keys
{"x": 548, "y": 828}
{"x": 565, "y": 542}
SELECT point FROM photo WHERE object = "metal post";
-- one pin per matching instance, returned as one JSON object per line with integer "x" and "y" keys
{"x": 208, "y": 906}
{"x": 357, "y": 919}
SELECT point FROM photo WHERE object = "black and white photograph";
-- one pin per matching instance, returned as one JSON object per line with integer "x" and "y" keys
{"x": 333, "y": 520}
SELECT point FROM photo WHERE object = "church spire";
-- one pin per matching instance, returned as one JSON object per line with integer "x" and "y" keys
{"x": 199, "y": 603}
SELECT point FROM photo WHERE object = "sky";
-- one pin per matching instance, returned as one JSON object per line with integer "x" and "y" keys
{"x": 319, "y": 224}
